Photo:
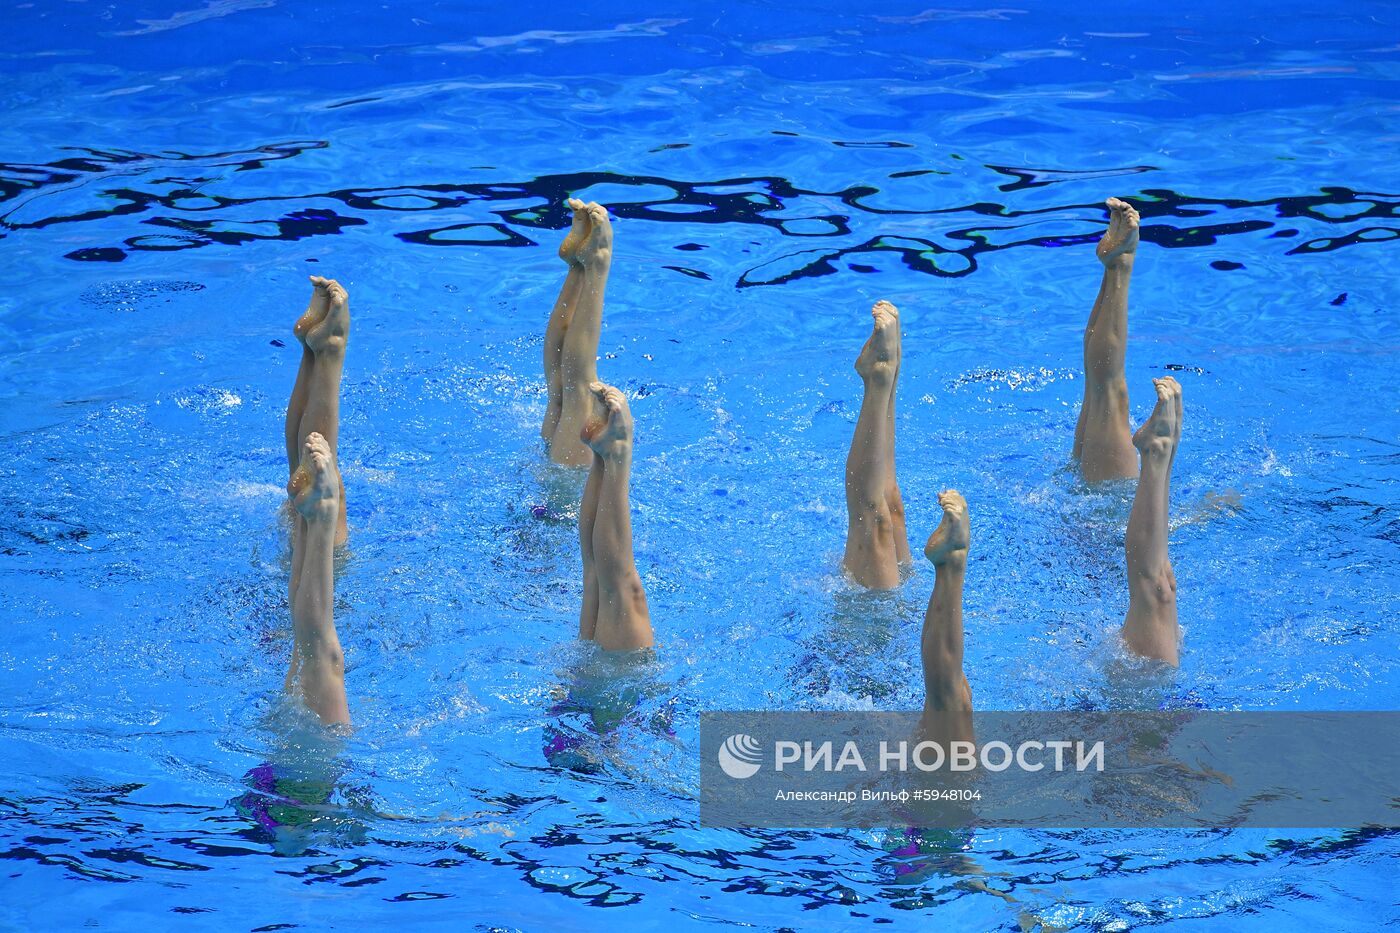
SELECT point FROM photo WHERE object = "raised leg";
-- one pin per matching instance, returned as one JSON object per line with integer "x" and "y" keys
{"x": 296, "y": 405}
{"x": 296, "y": 408}
{"x": 587, "y": 522}
{"x": 318, "y": 666}
{"x": 871, "y": 556}
{"x": 579, "y": 354}
{"x": 1150, "y": 628}
{"x": 623, "y": 620}
{"x": 299, "y": 532}
{"x": 947, "y": 696}
{"x": 560, "y": 317}
{"x": 1102, "y": 439}
{"x": 326, "y": 338}
{"x": 893, "y": 497}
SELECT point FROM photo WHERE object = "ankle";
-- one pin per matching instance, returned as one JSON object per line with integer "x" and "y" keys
{"x": 879, "y": 375}
{"x": 618, "y": 457}
{"x": 597, "y": 264}
{"x": 951, "y": 563}
{"x": 324, "y": 514}
{"x": 1158, "y": 448}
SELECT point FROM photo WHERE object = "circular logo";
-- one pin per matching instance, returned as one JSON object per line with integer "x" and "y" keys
{"x": 739, "y": 756}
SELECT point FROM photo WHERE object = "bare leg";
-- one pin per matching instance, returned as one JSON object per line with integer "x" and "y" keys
{"x": 314, "y": 315}
{"x": 299, "y": 533}
{"x": 1151, "y": 626}
{"x": 327, "y": 339}
{"x": 893, "y": 497}
{"x": 587, "y": 522}
{"x": 1102, "y": 439}
{"x": 871, "y": 557}
{"x": 319, "y": 666}
{"x": 296, "y": 408}
{"x": 560, "y": 317}
{"x": 947, "y": 696}
{"x": 624, "y": 622}
{"x": 579, "y": 357}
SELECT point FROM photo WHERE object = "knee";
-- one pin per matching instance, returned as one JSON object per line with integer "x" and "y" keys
{"x": 328, "y": 656}
{"x": 625, "y": 597}
{"x": 1107, "y": 382}
{"x": 877, "y": 524}
{"x": 1102, "y": 347}
{"x": 633, "y": 591}
{"x": 874, "y": 512}
{"x": 331, "y": 658}
{"x": 1155, "y": 584}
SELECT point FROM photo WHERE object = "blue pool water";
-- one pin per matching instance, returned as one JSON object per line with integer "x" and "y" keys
{"x": 170, "y": 172}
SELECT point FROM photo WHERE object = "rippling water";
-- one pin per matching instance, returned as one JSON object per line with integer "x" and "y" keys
{"x": 169, "y": 174}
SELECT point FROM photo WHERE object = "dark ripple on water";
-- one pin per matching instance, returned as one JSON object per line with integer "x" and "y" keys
{"x": 98, "y": 833}
{"x": 172, "y": 199}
